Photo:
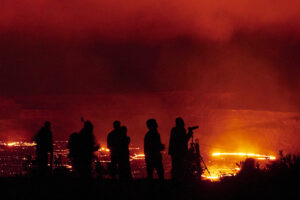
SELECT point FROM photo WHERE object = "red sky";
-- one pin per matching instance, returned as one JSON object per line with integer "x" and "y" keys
{"x": 132, "y": 60}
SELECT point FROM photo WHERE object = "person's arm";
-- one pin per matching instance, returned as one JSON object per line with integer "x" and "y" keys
{"x": 145, "y": 145}
{"x": 96, "y": 146}
{"x": 189, "y": 135}
{"x": 128, "y": 140}
{"x": 51, "y": 151}
{"x": 171, "y": 143}
{"x": 108, "y": 141}
{"x": 35, "y": 138}
{"x": 51, "y": 142}
{"x": 161, "y": 146}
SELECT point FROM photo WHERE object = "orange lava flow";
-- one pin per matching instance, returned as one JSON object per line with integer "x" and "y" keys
{"x": 250, "y": 155}
{"x": 223, "y": 164}
{"x": 138, "y": 157}
{"x": 19, "y": 144}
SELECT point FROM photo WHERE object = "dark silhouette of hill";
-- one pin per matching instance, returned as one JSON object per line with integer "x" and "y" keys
{"x": 73, "y": 188}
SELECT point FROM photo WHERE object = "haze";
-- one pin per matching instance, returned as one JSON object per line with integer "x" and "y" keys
{"x": 232, "y": 67}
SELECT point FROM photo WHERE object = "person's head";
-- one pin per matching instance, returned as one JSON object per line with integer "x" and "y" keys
{"x": 48, "y": 124}
{"x": 197, "y": 141}
{"x": 88, "y": 126}
{"x": 179, "y": 122}
{"x": 123, "y": 129}
{"x": 117, "y": 124}
{"x": 151, "y": 124}
{"x": 74, "y": 135}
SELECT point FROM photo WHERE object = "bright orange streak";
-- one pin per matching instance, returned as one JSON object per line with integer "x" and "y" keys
{"x": 138, "y": 157}
{"x": 212, "y": 178}
{"x": 11, "y": 144}
{"x": 257, "y": 156}
{"x": 18, "y": 144}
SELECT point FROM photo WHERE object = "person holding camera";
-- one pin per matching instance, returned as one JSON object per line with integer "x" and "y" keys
{"x": 178, "y": 149}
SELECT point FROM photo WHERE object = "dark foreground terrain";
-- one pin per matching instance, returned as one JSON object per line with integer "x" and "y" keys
{"x": 72, "y": 188}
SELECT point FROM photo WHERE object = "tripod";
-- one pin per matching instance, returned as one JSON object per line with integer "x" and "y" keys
{"x": 201, "y": 158}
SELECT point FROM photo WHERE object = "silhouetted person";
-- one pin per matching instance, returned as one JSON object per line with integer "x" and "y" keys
{"x": 178, "y": 149}
{"x": 74, "y": 145}
{"x": 114, "y": 145}
{"x": 86, "y": 148}
{"x": 44, "y": 145}
{"x": 152, "y": 149}
{"x": 117, "y": 142}
{"x": 125, "y": 170}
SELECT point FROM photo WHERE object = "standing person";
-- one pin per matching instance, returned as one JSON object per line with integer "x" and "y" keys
{"x": 44, "y": 145}
{"x": 178, "y": 149}
{"x": 117, "y": 142}
{"x": 125, "y": 170}
{"x": 114, "y": 145}
{"x": 73, "y": 146}
{"x": 86, "y": 148}
{"x": 152, "y": 149}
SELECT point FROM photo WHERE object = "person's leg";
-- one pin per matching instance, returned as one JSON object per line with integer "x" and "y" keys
{"x": 175, "y": 167}
{"x": 76, "y": 165}
{"x": 178, "y": 167}
{"x": 182, "y": 168}
{"x": 42, "y": 158}
{"x": 89, "y": 167}
{"x": 113, "y": 167}
{"x": 85, "y": 167}
{"x": 185, "y": 168}
{"x": 128, "y": 169}
{"x": 149, "y": 167}
{"x": 159, "y": 168}
{"x": 122, "y": 169}
{"x": 124, "y": 166}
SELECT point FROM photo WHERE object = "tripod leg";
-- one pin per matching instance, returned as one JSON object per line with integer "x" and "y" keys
{"x": 205, "y": 167}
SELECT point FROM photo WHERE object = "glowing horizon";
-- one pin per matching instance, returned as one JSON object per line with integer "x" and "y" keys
{"x": 253, "y": 155}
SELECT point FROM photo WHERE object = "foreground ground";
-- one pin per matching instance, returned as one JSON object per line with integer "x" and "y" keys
{"x": 71, "y": 188}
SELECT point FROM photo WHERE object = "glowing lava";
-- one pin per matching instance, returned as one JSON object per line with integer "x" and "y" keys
{"x": 225, "y": 166}
{"x": 249, "y": 155}
{"x": 138, "y": 157}
{"x": 19, "y": 144}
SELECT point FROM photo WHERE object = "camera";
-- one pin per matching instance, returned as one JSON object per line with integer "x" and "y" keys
{"x": 191, "y": 128}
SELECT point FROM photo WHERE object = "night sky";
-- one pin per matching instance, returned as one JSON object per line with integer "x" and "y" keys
{"x": 231, "y": 66}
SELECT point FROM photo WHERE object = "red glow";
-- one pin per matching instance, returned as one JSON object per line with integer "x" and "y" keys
{"x": 211, "y": 62}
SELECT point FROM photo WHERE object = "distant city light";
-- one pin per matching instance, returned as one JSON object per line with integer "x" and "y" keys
{"x": 104, "y": 149}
